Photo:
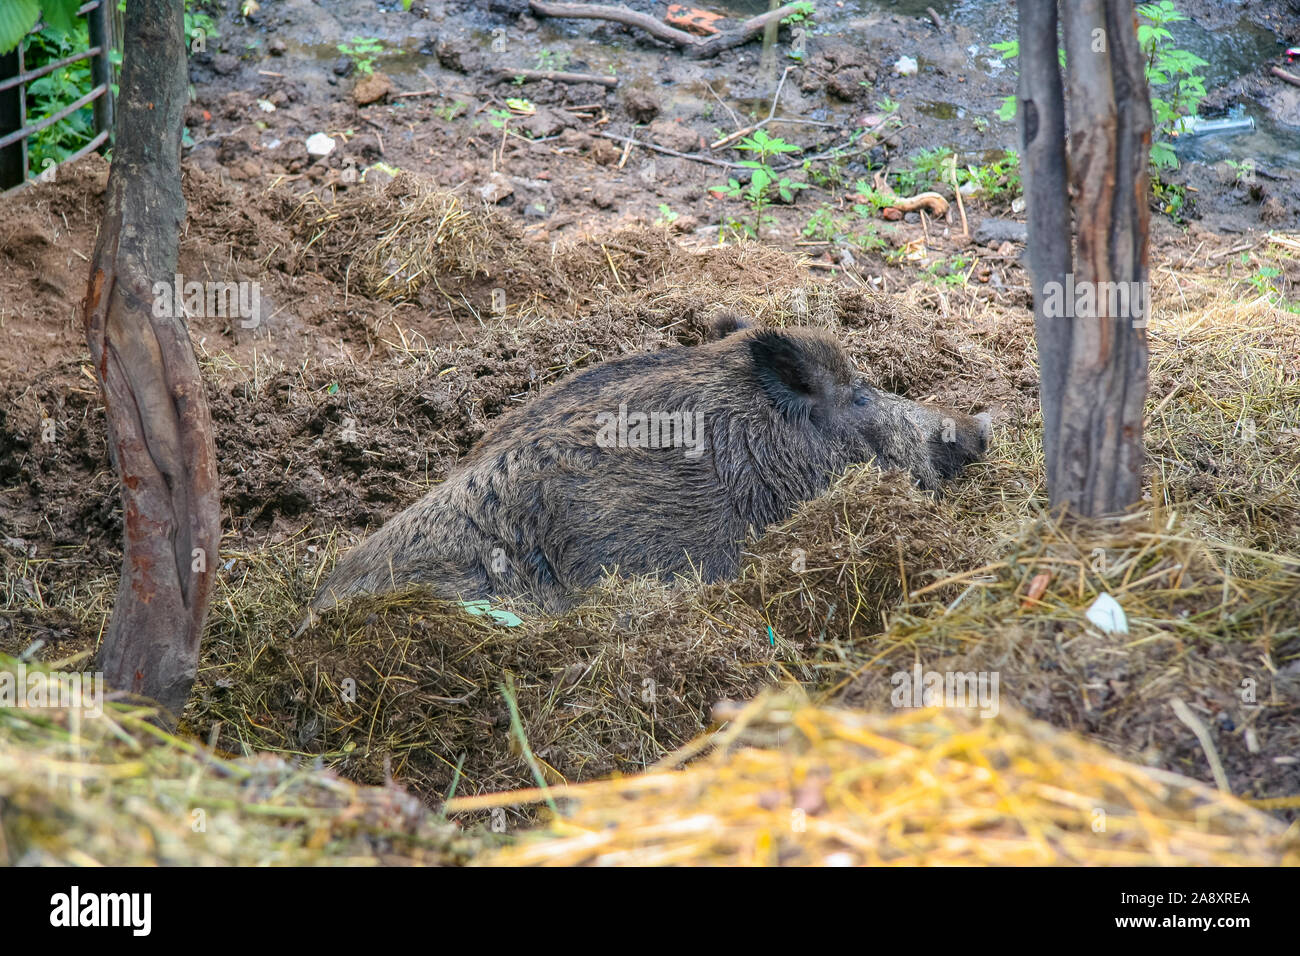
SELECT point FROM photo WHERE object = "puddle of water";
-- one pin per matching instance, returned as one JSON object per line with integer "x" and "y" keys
{"x": 394, "y": 60}
{"x": 940, "y": 110}
{"x": 1239, "y": 49}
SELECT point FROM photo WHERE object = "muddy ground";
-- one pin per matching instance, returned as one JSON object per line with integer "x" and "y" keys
{"x": 579, "y": 174}
{"x": 343, "y": 405}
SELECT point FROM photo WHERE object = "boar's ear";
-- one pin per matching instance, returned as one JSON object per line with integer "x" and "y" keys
{"x": 723, "y": 324}
{"x": 789, "y": 370}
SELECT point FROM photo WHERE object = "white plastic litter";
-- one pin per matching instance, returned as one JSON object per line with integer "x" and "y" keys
{"x": 1109, "y": 617}
{"x": 319, "y": 145}
{"x": 906, "y": 66}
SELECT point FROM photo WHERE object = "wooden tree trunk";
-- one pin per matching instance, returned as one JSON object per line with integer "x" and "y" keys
{"x": 159, "y": 431}
{"x": 1091, "y": 303}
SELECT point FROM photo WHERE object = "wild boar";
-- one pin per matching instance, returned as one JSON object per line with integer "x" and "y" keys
{"x": 653, "y": 463}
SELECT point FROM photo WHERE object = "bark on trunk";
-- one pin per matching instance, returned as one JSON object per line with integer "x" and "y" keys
{"x": 1090, "y": 305}
{"x": 159, "y": 431}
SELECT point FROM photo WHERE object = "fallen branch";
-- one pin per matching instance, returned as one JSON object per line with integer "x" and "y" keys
{"x": 937, "y": 204}
{"x": 630, "y": 142}
{"x": 557, "y": 76}
{"x": 1282, "y": 74}
{"x": 749, "y": 130}
{"x": 1194, "y": 723}
{"x": 956, "y": 191}
{"x": 693, "y": 46}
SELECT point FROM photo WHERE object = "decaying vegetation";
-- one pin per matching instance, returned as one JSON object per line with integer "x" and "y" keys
{"x": 869, "y": 580}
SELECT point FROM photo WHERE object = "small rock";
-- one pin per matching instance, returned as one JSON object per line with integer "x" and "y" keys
{"x": 371, "y": 89}
{"x": 1272, "y": 210}
{"x": 641, "y": 105}
{"x": 319, "y": 145}
{"x": 225, "y": 63}
{"x": 547, "y": 122}
{"x": 912, "y": 217}
{"x": 277, "y": 47}
{"x": 1000, "y": 230}
{"x": 602, "y": 196}
{"x": 496, "y": 189}
{"x": 906, "y": 66}
{"x": 675, "y": 136}
{"x": 891, "y": 213}
{"x": 342, "y": 66}
{"x": 458, "y": 55}
{"x": 605, "y": 152}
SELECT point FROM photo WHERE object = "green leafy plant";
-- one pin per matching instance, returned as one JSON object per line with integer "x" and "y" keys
{"x": 765, "y": 184}
{"x": 552, "y": 60}
{"x": 870, "y": 200}
{"x": 19, "y": 16}
{"x": 825, "y": 226}
{"x": 666, "y": 215}
{"x": 53, "y": 92}
{"x": 1262, "y": 279}
{"x": 802, "y": 11}
{"x": 363, "y": 51}
{"x": 1176, "y": 88}
{"x": 1010, "y": 50}
{"x": 999, "y": 179}
{"x": 1243, "y": 171}
{"x": 449, "y": 111}
{"x": 1170, "y": 198}
{"x": 948, "y": 272}
{"x": 197, "y": 19}
{"x": 928, "y": 168}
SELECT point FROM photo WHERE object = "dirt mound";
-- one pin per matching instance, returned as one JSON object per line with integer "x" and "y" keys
{"x": 610, "y": 686}
{"x": 345, "y": 407}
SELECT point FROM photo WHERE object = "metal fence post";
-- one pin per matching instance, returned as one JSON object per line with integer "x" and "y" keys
{"x": 13, "y": 158}
{"x": 14, "y": 78}
{"x": 101, "y": 68}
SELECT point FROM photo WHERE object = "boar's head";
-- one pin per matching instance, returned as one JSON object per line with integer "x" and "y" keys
{"x": 809, "y": 380}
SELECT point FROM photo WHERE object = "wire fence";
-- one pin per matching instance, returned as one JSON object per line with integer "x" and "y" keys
{"x": 15, "y": 78}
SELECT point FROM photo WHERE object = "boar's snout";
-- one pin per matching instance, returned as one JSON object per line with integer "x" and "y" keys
{"x": 933, "y": 444}
{"x": 960, "y": 440}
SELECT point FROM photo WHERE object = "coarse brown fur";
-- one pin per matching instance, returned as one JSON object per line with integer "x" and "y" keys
{"x": 737, "y": 432}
